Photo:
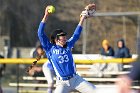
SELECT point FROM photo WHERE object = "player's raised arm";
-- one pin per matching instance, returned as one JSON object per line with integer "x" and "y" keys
{"x": 44, "y": 19}
{"x": 88, "y": 12}
{"x": 45, "y": 42}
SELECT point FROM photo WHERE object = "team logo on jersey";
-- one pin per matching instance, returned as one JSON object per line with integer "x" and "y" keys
{"x": 58, "y": 51}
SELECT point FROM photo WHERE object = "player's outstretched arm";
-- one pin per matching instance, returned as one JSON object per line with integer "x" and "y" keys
{"x": 88, "y": 12}
{"x": 45, "y": 17}
{"x": 44, "y": 40}
{"x": 82, "y": 18}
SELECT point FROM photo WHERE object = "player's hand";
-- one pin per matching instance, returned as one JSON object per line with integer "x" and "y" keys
{"x": 46, "y": 11}
{"x": 89, "y": 11}
{"x": 90, "y": 7}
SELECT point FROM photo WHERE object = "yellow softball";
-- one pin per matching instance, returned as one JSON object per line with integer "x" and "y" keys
{"x": 51, "y": 9}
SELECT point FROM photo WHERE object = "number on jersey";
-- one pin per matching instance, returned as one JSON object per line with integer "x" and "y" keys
{"x": 63, "y": 58}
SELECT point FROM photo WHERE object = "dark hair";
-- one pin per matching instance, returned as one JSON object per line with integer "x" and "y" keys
{"x": 123, "y": 42}
{"x": 55, "y": 35}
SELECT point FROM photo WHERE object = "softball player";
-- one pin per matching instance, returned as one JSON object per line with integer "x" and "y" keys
{"x": 59, "y": 54}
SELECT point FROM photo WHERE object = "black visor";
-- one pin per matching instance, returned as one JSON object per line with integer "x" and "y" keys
{"x": 62, "y": 34}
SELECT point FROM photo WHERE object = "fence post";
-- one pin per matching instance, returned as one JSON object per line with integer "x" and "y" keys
{"x": 18, "y": 56}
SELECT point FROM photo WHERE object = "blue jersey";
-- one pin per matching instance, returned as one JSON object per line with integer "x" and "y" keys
{"x": 60, "y": 57}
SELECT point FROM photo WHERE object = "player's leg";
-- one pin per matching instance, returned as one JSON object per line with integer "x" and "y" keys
{"x": 49, "y": 74}
{"x": 51, "y": 81}
{"x": 84, "y": 86}
{"x": 62, "y": 86}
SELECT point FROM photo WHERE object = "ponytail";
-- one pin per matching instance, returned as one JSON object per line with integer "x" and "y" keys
{"x": 52, "y": 39}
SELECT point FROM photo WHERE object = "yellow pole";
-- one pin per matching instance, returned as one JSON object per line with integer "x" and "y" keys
{"x": 77, "y": 61}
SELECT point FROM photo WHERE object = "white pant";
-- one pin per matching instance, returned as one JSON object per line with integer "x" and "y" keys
{"x": 77, "y": 83}
{"x": 49, "y": 75}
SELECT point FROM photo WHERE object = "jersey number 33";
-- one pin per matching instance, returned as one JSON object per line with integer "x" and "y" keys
{"x": 63, "y": 58}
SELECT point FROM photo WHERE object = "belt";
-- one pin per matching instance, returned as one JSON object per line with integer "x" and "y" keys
{"x": 67, "y": 77}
